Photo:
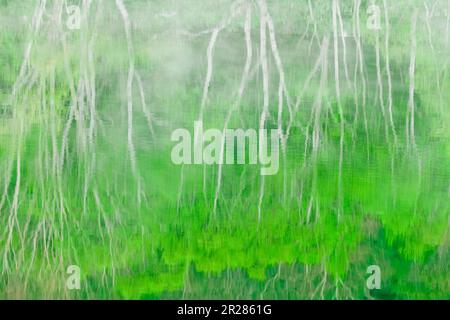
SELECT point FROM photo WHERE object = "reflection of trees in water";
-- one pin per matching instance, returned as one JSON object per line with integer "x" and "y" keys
{"x": 361, "y": 116}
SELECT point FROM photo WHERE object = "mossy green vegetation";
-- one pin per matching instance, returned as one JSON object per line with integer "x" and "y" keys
{"x": 86, "y": 117}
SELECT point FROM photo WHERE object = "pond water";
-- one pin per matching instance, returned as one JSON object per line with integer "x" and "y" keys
{"x": 358, "y": 208}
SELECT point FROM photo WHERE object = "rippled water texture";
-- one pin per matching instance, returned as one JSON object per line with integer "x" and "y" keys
{"x": 92, "y": 205}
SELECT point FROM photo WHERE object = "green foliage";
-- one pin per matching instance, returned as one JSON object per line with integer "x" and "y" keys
{"x": 69, "y": 193}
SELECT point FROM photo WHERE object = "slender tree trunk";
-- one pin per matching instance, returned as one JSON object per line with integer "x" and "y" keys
{"x": 410, "y": 121}
{"x": 339, "y": 103}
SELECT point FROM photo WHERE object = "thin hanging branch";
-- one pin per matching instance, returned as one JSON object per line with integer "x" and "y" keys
{"x": 388, "y": 71}
{"x": 36, "y": 23}
{"x": 131, "y": 73}
{"x": 339, "y": 103}
{"x": 265, "y": 85}
{"x": 242, "y": 86}
{"x": 410, "y": 125}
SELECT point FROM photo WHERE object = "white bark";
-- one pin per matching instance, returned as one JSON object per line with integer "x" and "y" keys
{"x": 339, "y": 103}
{"x": 242, "y": 86}
{"x": 410, "y": 125}
{"x": 265, "y": 85}
{"x": 131, "y": 73}
{"x": 388, "y": 70}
